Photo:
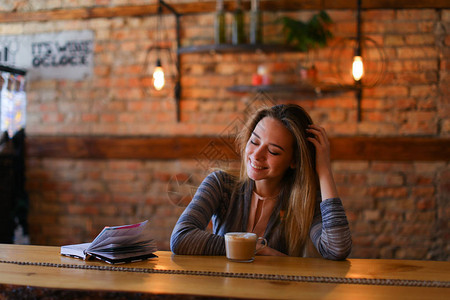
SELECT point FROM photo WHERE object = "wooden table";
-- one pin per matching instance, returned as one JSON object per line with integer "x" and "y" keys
{"x": 42, "y": 270}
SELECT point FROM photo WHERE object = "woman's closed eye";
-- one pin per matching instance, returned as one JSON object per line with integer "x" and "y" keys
{"x": 256, "y": 143}
{"x": 273, "y": 152}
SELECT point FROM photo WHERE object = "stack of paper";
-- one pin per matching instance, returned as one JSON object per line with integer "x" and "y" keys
{"x": 118, "y": 244}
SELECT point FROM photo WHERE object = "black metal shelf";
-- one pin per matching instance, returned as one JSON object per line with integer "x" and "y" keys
{"x": 13, "y": 70}
{"x": 230, "y": 48}
{"x": 304, "y": 88}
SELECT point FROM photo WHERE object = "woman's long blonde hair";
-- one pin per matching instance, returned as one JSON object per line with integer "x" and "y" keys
{"x": 300, "y": 183}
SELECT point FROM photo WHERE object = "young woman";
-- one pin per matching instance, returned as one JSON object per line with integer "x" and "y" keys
{"x": 285, "y": 193}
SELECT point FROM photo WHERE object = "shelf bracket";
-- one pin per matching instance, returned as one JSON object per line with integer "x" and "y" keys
{"x": 358, "y": 100}
{"x": 358, "y": 83}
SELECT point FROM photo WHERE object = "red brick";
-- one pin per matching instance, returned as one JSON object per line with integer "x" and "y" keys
{"x": 427, "y": 27}
{"x": 101, "y": 221}
{"x": 357, "y": 179}
{"x": 102, "y": 82}
{"x": 406, "y": 103}
{"x": 89, "y": 117}
{"x": 129, "y": 199}
{"x": 417, "y": 78}
{"x": 128, "y": 46}
{"x": 397, "y": 204}
{"x": 345, "y": 128}
{"x": 193, "y": 92}
{"x": 142, "y": 105}
{"x": 376, "y": 116}
{"x": 388, "y": 91}
{"x": 423, "y": 91}
{"x": 394, "y": 40}
{"x": 125, "y": 164}
{"x": 101, "y": 70}
{"x": 108, "y": 118}
{"x": 416, "y": 230}
{"x": 385, "y": 179}
{"x": 419, "y": 179}
{"x": 423, "y": 191}
{"x": 420, "y": 39}
{"x": 161, "y": 176}
{"x": 90, "y": 186}
{"x": 416, "y": 14}
{"x": 383, "y": 240}
{"x": 417, "y": 52}
{"x": 369, "y": 128}
{"x": 119, "y": 176}
{"x": 426, "y": 204}
{"x": 389, "y": 192}
{"x": 84, "y": 210}
{"x": 393, "y": 216}
{"x": 362, "y": 241}
{"x": 379, "y": 14}
{"x": 410, "y": 253}
{"x": 372, "y": 215}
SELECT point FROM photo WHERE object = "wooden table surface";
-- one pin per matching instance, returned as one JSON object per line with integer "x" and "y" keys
{"x": 42, "y": 267}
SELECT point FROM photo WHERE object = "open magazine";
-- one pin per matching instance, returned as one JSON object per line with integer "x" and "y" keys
{"x": 118, "y": 244}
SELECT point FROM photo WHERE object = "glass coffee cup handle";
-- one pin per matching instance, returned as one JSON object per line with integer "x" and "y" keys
{"x": 262, "y": 245}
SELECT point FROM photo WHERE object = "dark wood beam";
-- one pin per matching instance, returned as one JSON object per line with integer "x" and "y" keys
{"x": 168, "y": 148}
{"x": 208, "y": 7}
{"x": 390, "y": 148}
{"x": 158, "y": 148}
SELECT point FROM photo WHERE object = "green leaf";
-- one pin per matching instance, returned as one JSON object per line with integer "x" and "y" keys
{"x": 309, "y": 35}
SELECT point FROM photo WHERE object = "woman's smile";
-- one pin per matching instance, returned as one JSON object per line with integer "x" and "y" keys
{"x": 255, "y": 166}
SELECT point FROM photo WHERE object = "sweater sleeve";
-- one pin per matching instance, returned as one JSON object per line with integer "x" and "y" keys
{"x": 330, "y": 231}
{"x": 189, "y": 236}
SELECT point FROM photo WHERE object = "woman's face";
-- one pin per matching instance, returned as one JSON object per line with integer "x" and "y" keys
{"x": 269, "y": 151}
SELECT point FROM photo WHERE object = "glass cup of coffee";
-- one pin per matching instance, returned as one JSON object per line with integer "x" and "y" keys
{"x": 241, "y": 246}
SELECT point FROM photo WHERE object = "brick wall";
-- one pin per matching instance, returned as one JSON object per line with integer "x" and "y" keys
{"x": 396, "y": 209}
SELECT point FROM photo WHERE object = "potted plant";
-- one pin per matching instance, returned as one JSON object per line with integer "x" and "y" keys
{"x": 308, "y": 35}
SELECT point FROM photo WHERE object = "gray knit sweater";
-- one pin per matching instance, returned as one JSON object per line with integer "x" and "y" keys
{"x": 216, "y": 199}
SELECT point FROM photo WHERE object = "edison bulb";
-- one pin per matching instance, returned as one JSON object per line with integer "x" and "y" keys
{"x": 158, "y": 78}
{"x": 357, "y": 68}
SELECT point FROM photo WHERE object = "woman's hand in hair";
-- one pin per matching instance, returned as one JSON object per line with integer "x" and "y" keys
{"x": 323, "y": 162}
{"x": 322, "y": 145}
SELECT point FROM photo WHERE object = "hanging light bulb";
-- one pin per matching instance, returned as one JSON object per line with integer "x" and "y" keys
{"x": 357, "y": 68}
{"x": 158, "y": 76}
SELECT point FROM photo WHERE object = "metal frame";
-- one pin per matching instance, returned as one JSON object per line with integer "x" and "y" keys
{"x": 358, "y": 83}
{"x": 177, "y": 89}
